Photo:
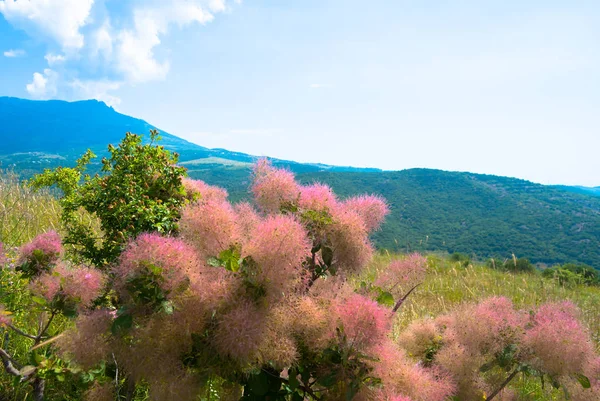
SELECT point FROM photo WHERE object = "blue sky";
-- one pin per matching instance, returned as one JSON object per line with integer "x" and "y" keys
{"x": 501, "y": 87}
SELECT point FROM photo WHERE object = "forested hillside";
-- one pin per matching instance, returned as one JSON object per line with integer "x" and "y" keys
{"x": 484, "y": 216}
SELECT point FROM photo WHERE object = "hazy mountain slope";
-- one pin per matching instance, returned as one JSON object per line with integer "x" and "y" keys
{"x": 431, "y": 209}
{"x": 40, "y": 134}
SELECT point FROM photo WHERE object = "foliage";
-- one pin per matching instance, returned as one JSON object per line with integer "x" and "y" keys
{"x": 572, "y": 273}
{"x": 140, "y": 190}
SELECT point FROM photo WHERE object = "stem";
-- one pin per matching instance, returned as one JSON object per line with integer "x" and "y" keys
{"x": 21, "y": 332}
{"x": 9, "y": 363}
{"x": 39, "y": 385}
{"x": 44, "y": 328}
{"x": 401, "y": 300}
{"x": 504, "y": 384}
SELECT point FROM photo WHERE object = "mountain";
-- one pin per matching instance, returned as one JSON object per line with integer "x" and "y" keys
{"x": 432, "y": 210}
{"x": 595, "y": 191}
{"x": 42, "y": 134}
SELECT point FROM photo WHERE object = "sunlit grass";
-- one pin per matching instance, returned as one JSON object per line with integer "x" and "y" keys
{"x": 24, "y": 213}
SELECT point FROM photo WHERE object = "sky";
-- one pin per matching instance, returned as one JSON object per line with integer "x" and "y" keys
{"x": 504, "y": 87}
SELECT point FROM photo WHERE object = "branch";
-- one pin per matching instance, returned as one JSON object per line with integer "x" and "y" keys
{"x": 401, "y": 300}
{"x": 9, "y": 363}
{"x": 44, "y": 328}
{"x": 504, "y": 384}
{"x": 21, "y": 332}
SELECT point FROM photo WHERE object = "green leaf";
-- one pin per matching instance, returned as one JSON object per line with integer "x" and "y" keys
{"x": 583, "y": 380}
{"x": 27, "y": 370}
{"x": 39, "y": 300}
{"x": 230, "y": 259}
{"x": 167, "y": 307}
{"x": 293, "y": 379}
{"x": 327, "y": 255}
{"x": 259, "y": 384}
{"x": 122, "y": 323}
{"x": 488, "y": 366}
{"x": 214, "y": 262}
{"x": 385, "y": 298}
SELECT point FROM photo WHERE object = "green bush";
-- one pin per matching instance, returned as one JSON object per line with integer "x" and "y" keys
{"x": 140, "y": 190}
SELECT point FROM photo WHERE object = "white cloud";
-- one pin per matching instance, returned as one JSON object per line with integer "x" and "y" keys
{"x": 14, "y": 53}
{"x": 102, "y": 52}
{"x": 53, "y": 59}
{"x": 57, "y": 20}
{"x": 97, "y": 90}
{"x": 43, "y": 85}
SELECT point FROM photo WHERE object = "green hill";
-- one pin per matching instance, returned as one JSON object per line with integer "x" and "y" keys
{"x": 432, "y": 210}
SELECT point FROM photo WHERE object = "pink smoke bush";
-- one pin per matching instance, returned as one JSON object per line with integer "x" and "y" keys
{"x": 372, "y": 209}
{"x": 365, "y": 323}
{"x": 175, "y": 260}
{"x": 557, "y": 342}
{"x": 403, "y": 274}
{"x": 279, "y": 246}
{"x": 210, "y": 226}
{"x": 351, "y": 246}
{"x": 317, "y": 197}
{"x": 273, "y": 187}
{"x": 80, "y": 284}
{"x": 42, "y": 251}
{"x": 203, "y": 191}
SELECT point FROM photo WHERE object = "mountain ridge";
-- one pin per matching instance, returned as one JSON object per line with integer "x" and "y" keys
{"x": 432, "y": 210}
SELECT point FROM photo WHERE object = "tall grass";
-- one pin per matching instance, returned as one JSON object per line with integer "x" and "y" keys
{"x": 24, "y": 213}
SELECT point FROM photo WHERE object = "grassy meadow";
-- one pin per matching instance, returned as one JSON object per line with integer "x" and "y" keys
{"x": 24, "y": 214}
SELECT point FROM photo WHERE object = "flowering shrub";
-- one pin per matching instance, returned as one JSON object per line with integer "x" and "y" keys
{"x": 40, "y": 254}
{"x": 256, "y": 302}
{"x": 484, "y": 346}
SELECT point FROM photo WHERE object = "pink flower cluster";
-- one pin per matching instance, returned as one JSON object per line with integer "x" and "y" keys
{"x": 279, "y": 245}
{"x": 204, "y": 191}
{"x": 403, "y": 274}
{"x": 175, "y": 259}
{"x": 272, "y": 187}
{"x": 558, "y": 343}
{"x": 81, "y": 284}
{"x": 211, "y": 226}
{"x": 48, "y": 244}
{"x": 372, "y": 208}
{"x": 364, "y": 322}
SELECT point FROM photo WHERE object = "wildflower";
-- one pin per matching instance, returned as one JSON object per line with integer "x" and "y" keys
{"x": 203, "y": 191}
{"x": 39, "y": 254}
{"x": 364, "y": 322}
{"x": 210, "y": 226}
{"x": 558, "y": 343}
{"x": 278, "y": 247}
{"x": 167, "y": 262}
{"x": 371, "y": 208}
{"x": 272, "y": 187}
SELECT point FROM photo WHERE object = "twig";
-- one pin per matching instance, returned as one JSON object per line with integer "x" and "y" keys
{"x": 9, "y": 363}
{"x": 21, "y": 332}
{"x": 504, "y": 384}
{"x": 401, "y": 300}
{"x": 49, "y": 341}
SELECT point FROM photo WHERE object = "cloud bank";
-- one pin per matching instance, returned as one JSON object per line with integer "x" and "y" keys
{"x": 94, "y": 47}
